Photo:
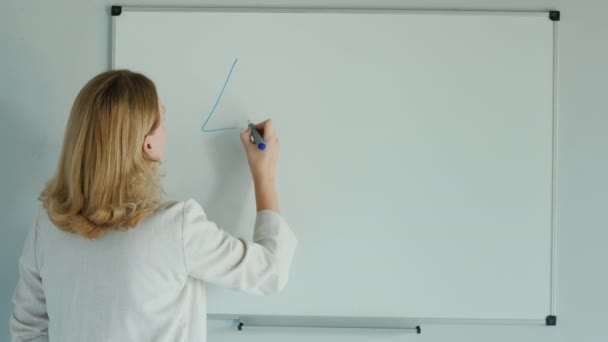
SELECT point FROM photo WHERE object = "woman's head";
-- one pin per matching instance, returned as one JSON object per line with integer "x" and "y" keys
{"x": 107, "y": 176}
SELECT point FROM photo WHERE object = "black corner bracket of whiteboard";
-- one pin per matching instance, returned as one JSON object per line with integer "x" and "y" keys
{"x": 554, "y": 15}
{"x": 116, "y": 10}
{"x": 551, "y": 320}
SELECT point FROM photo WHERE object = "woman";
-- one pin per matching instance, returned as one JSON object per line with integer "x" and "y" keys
{"x": 106, "y": 261}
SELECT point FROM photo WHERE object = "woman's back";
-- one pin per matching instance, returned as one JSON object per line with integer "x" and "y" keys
{"x": 119, "y": 283}
{"x": 145, "y": 283}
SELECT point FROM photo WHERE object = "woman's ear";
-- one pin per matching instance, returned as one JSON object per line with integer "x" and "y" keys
{"x": 148, "y": 147}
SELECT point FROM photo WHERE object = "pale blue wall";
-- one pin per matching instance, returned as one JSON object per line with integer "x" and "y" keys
{"x": 48, "y": 49}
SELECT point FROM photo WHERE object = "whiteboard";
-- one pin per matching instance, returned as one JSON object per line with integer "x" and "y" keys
{"x": 417, "y": 150}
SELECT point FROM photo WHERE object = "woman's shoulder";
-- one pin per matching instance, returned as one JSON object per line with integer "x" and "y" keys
{"x": 172, "y": 204}
{"x": 181, "y": 207}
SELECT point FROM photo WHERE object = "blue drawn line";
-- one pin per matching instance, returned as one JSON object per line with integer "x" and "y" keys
{"x": 217, "y": 101}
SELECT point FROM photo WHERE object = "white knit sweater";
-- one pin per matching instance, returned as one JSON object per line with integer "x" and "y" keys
{"x": 145, "y": 283}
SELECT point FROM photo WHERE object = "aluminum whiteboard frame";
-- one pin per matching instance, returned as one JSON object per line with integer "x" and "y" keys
{"x": 338, "y": 322}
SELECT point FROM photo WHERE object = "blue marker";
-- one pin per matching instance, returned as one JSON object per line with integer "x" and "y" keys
{"x": 256, "y": 137}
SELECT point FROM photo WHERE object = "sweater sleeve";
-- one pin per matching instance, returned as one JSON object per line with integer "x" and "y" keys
{"x": 29, "y": 321}
{"x": 260, "y": 266}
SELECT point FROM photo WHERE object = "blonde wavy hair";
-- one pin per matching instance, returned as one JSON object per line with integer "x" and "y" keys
{"x": 104, "y": 180}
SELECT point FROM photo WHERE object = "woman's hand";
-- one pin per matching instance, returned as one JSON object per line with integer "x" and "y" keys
{"x": 263, "y": 165}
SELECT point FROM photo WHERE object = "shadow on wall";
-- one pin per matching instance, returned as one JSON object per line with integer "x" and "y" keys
{"x": 28, "y": 160}
{"x": 230, "y": 192}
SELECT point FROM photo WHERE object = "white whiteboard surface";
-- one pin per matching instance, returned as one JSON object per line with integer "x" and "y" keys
{"x": 417, "y": 151}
